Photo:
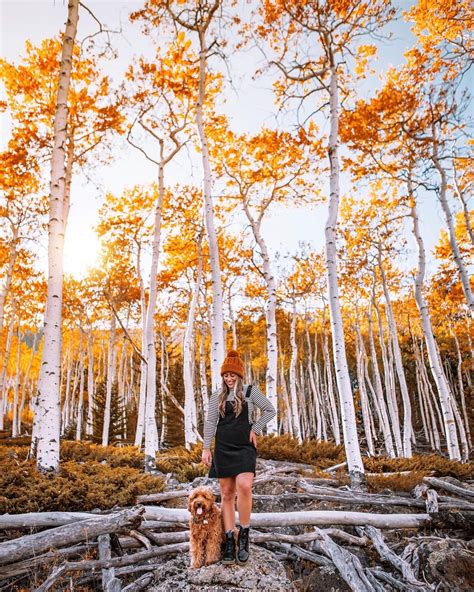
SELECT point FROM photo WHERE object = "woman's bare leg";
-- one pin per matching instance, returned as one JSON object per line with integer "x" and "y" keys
{"x": 244, "y": 482}
{"x": 228, "y": 489}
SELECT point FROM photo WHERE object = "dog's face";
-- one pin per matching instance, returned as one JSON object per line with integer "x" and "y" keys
{"x": 200, "y": 503}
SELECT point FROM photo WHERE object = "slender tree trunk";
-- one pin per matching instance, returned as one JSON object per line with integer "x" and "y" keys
{"x": 293, "y": 394}
{"x": 190, "y": 415}
{"x": 3, "y": 371}
{"x": 140, "y": 429}
{"x": 270, "y": 313}
{"x": 110, "y": 380}
{"x": 5, "y": 289}
{"x": 217, "y": 315}
{"x": 384, "y": 421}
{"x": 232, "y": 323}
{"x": 463, "y": 273}
{"x": 80, "y": 405}
{"x": 314, "y": 387}
{"x": 90, "y": 384}
{"x": 16, "y": 391}
{"x": 285, "y": 422}
{"x": 349, "y": 426}
{"x": 203, "y": 374}
{"x": 389, "y": 385}
{"x": 445, "y": 396}
{"x": 333, "y": 415}
{"x": 151, "y": 431}
{"x": 461, "y": 388}
{"x": 48, "y": 400}
{"x": 465, "y": 208}
{"x": 397, "y": 354}
{"x": 319, "y": 378}
{"x": 364, "y": 403}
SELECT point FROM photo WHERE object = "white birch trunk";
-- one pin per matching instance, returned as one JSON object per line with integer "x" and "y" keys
{"x": 140, "y": 428}
{"x": 384, "y": 421}
{"x": 397, "y": 354}
{"x": 463, "y": 273}
{"x": 364, "y": 403}
{"x": 203, "y": 374}
{"x": 314, "y": 386}
{"x": 217, "y": 315}
{"x": 90, "y": 384}
{"x": 48, "y": 400}
{"x": 439, "y": 377}
{"x": 163, "y": 381}
{"x": 319, "y": 381}
{"x": 80, "y": 406}
{"x": 285, "y": 422}
{"x": 465, "y": 208}
{"x": 110, "y": 380}
{"x": 461, "y": 388}
{"x": 349, "y": 426}
{"x": 3, "y": 371}
{"x": 16, "y": 390}
{"x": 295, "y": 419}
{"x": 389, "y": 386}
{"x": 190, "y": 415}
{"x": 333, "y": 415}
{"x": 151, "y": 431}
{"x": 5, "y": 288}
{"x": 270, "y": 313}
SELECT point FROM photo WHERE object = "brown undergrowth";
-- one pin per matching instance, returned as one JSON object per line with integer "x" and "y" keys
{"x": 77, "y": 487}
{"x": 320, "y": 454}
{"x": 93, "y": 476}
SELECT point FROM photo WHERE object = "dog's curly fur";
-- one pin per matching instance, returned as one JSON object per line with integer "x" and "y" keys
{"x": 205, "y": 525}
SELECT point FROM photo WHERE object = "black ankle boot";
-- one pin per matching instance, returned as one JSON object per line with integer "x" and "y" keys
{"x": 243, "y": 545}
{"x": 229, "y": 549}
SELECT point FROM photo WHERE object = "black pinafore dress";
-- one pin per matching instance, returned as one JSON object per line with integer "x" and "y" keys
{"x": 233, "y": 451}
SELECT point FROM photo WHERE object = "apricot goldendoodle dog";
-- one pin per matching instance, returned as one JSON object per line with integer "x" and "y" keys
{"x": 205, "y": 525}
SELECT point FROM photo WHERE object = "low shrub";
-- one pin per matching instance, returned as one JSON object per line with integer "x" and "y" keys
{"x": 77, "y": 487}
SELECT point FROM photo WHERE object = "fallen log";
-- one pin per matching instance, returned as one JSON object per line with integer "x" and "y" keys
{"x": 348, "y": 565}
{"x": 63, "y": 536}
{"x": 23, "y": 567}
{"x": 90, "y": 564}
{"x": 447, "y": 486}
{"x": 367, "y": 500}
{"x": 163, "y": 496}
{"x": 109, "y": 581}
{"x": 335, "y": 467}
{"x": 317, "y": 518}
{"x": 279, "y": 479}
{"x": 412, "y": 583}
{"x": 43, "y": 519}
{"x": 304, "y": 554}
{"x": 140, "y": 584}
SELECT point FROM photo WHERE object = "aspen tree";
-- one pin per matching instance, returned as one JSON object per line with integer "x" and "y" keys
{"x": 329, "y": 28}
{"x": 198, "y": 19}
{"x": 48, "y": 412}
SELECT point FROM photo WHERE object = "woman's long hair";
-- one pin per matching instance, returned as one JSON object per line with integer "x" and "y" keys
{"x": 238, "y": 396}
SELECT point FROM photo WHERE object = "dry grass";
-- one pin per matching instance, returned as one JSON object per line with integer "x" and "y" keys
{"x": 320, "y": 454}
{"x": 422, "y": 463}
{"x": 77, "y": 487}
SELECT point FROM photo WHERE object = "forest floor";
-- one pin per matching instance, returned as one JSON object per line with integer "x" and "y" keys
{"x": 310, "y": 479}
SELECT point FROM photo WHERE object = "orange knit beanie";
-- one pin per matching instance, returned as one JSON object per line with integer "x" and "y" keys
{"x": 233, "y": 363}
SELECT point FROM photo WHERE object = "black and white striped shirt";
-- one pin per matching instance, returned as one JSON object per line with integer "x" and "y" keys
{"x": 256, "y": 399}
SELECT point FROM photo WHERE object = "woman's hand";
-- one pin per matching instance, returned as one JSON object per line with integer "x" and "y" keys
{"x": 253, "y": 438}
{"x": 206, "y": 457}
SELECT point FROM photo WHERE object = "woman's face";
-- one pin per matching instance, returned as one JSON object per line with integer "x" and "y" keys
{"x": 230, "y": 378}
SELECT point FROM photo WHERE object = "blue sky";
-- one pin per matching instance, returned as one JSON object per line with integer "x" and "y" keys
{"x": 249, "y": 105}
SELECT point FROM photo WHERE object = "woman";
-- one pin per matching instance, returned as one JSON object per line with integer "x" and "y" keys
{"x": 230, "y": 418}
